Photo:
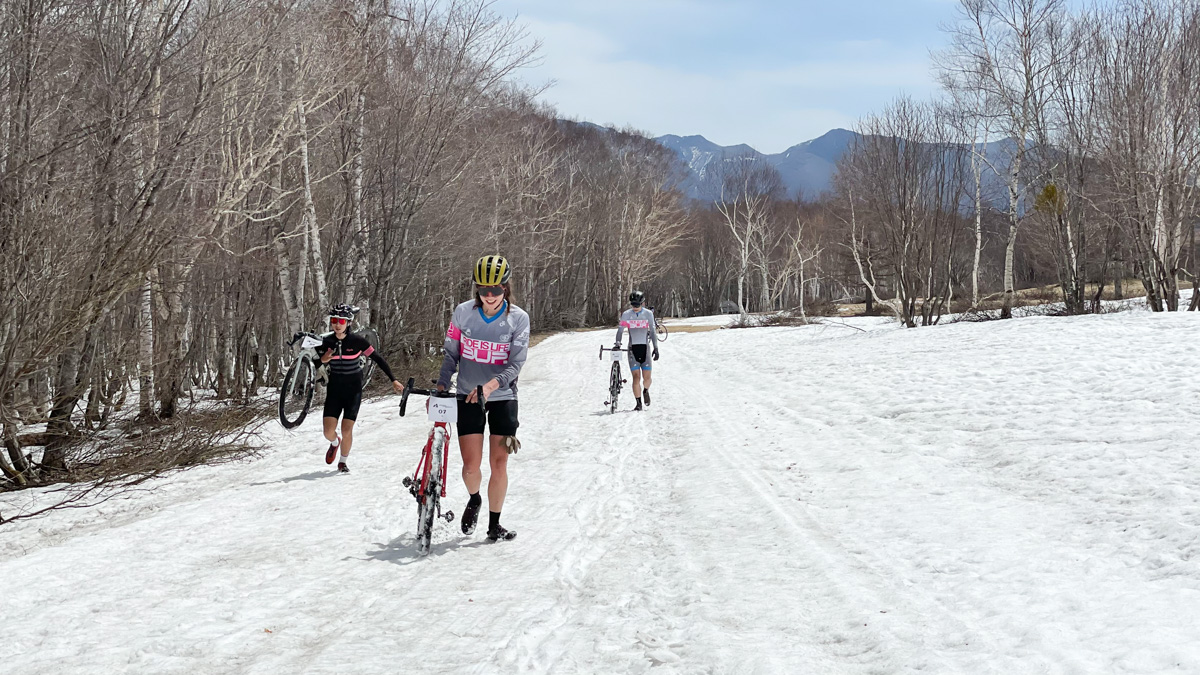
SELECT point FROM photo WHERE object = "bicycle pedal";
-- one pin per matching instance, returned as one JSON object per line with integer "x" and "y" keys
{"x": 449, "y": 516}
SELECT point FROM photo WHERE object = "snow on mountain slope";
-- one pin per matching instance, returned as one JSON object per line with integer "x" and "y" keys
{"x": 1005, "y": 497}
{"x": 807, "y": 169}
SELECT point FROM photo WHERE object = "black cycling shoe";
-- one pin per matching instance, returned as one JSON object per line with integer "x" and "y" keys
{"x": 501, "y": 534}
{"x": 342, "y": 468}
{"x": 638, "y": 406}
{"x": 646, "y": 397}
{"x": 470, "y": 517}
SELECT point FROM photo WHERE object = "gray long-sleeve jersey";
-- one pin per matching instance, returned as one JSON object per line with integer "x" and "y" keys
{"x": 640, "y": 323}
{"x": 482, "y": 348}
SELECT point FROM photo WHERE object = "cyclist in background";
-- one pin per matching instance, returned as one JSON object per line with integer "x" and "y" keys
{"x": 640, "y": 322}
{"x": 486, "y": 343}
{"x": 341, "y": 349}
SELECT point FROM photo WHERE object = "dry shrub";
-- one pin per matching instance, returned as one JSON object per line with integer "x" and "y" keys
{"x": 108, "y": 465}
{"x": 772, "y": 319}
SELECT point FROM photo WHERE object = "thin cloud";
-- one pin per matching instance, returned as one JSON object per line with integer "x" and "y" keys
{"x": 625, "y": 74}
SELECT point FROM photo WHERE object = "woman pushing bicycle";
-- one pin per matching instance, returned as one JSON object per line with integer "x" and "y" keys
{"x": 487, "y": 342}
{"x": 343, "y": 350}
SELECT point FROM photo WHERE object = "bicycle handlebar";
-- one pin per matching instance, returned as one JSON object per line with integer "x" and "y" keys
{"x": 610, "y": 349}
{"x": 410, "y": 389}
{"x": 301, "y": 334}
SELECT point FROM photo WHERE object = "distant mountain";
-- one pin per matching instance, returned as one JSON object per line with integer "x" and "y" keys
{"x": 807, "y": 168}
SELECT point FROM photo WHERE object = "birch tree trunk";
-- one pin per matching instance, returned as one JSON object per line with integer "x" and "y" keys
{"x": 146, "y": 349}
{"x": 358, "y": 259}
{"x": 312, "y": 236}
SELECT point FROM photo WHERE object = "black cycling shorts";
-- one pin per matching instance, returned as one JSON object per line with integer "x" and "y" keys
{"x": 343, "y": 397}
{"x": 501, "y": 418}
{"x": 639, "y": 353}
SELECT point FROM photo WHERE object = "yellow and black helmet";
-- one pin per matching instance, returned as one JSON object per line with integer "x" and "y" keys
{"x": 492, "y": 270}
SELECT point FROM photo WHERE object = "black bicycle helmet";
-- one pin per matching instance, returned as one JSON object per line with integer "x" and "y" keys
{"x": 343, "y": 311}
{"x": 636, "y": 298}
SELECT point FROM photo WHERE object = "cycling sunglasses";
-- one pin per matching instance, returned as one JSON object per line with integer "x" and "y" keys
{"x": 338, "y": 320}
{"x": 489, "y": 291}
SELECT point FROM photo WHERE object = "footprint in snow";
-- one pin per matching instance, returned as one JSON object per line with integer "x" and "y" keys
{"x": 658, "y": 650}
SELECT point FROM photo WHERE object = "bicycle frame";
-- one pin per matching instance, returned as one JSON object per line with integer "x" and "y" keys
{"x": 424, "y": 465}
{"x": 322, "y": 370}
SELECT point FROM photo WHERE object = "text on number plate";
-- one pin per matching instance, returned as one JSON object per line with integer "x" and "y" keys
{"x": 443, "y": 410}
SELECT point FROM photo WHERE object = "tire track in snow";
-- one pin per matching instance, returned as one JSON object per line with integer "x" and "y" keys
{"x": 879, "y": 627}
{"x": 611, "y": 487}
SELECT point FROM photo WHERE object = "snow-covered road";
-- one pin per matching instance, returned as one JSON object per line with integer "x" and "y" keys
{"x": 1008, "y": 497}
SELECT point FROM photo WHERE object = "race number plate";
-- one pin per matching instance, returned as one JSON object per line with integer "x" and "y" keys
{"x": 616, "y": 355}
{"x": 310, "y": 342}
{"x": 443, "y": 410}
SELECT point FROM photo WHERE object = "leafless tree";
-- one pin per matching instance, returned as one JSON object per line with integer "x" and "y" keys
{"x": 1003, "y": 47}
{"x": 902, "y": 185}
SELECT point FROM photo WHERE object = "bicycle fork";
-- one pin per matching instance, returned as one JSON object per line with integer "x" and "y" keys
{"x": 418, "y": 486}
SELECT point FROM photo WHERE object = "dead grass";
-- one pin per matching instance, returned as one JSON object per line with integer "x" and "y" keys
{"x": 690, "y": 329}
{"x": 536, "y": 338}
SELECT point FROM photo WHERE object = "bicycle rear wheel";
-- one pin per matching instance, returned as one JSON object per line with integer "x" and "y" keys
{"x": 660, "y": 329}
{"x": 614, "y": 386}
{"x": 295, "y": 396}
{"x": 427, "y": 502}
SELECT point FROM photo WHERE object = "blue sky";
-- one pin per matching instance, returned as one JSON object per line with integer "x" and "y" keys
{"x": 767, "y": 73}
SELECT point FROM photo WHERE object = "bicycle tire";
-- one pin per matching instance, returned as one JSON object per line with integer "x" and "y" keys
{"x": 660, "y": 329}
{"x": 428, "y": 503}
{"x": 294, "y": 403}
{"x": 368, "y": 366}
{"x": 614, "y": 386}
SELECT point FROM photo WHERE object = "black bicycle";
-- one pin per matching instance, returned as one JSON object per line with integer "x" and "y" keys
{"x": 306, "y": 373}
{"x": 614, "y": 377}
{"x": 428, "y": 482}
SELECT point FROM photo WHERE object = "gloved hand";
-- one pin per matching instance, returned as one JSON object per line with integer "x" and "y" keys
{"x": 616, "y": 345}
{"x": 656, "y": 353}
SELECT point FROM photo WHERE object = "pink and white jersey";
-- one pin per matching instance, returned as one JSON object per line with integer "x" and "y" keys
{"x": 481, "y": 348}
{"x": 640, "y": 323}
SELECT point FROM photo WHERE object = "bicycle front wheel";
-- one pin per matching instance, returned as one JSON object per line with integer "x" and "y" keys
{"x": 295, "y": 396}
{"x": 614, "y": 387}
{"x": 427, "y": 503}
{"x": 660, "y": 329}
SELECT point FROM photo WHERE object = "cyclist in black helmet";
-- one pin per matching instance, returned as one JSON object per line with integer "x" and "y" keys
{"x": 640, "y": 322}
{"x": 343, "y": 350}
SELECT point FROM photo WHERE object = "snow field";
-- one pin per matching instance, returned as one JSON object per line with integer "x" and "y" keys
{"x": 987, "y": 498}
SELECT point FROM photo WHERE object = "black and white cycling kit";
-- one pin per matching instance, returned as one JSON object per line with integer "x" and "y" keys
{"x": 343, "y": 396}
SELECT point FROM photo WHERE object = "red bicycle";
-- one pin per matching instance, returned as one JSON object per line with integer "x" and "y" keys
{"x": 428, "y": 482}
